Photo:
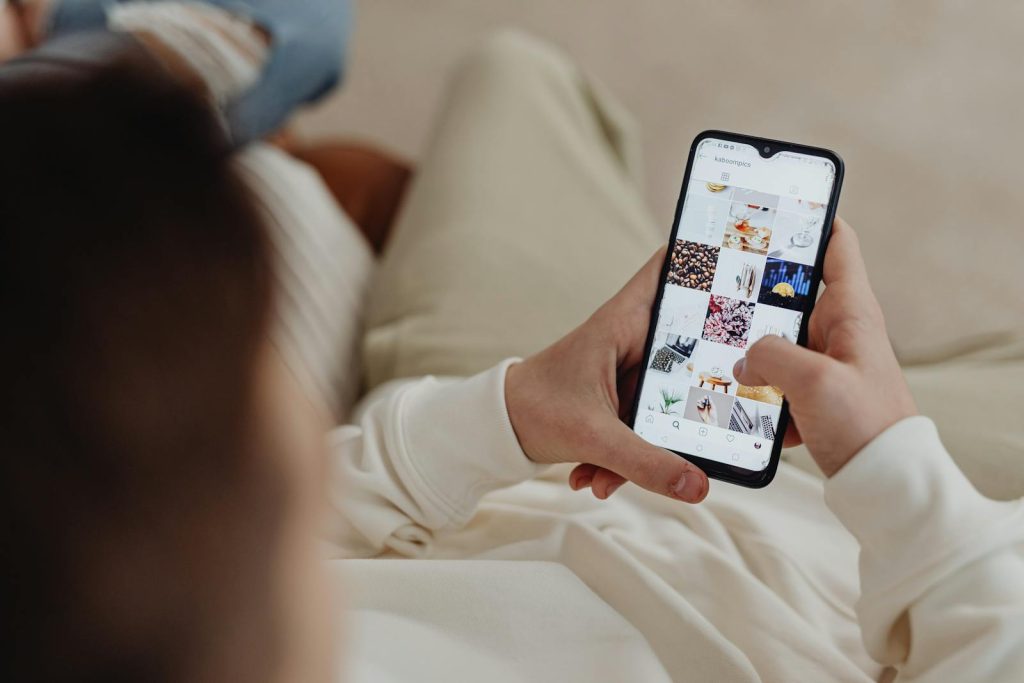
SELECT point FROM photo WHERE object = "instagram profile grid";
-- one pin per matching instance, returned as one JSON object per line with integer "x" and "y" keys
{"x": 741, "y": 268}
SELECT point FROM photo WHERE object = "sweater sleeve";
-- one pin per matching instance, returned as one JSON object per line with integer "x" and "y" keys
{"x": 942, "y": 567}
{"x": 419, "y": 461}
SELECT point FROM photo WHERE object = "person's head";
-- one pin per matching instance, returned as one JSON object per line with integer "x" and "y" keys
{"x": 157, "y": 464}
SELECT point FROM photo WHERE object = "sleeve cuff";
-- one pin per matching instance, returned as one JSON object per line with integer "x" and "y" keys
{"x": 458, "y": 442}
{"x": 917, "y": 518}
{"x": 900, "y": 484}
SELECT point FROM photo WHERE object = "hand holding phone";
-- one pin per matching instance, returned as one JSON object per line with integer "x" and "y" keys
{"x": 846, "y": 388}
{"x": 567, "y": 403}
{"x": 744, "y": 263}
{"x": 772, "y": 230}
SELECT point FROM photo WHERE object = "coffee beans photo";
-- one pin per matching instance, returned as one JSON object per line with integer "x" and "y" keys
{"x": 693, "y": 265}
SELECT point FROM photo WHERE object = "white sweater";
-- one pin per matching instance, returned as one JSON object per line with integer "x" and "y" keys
{"x": 537, "y": 582}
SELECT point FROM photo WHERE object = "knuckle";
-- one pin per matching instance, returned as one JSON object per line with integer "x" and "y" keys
{"x": 642, "y": 468}
{"x": 588, "y": 436}
{"x": 817, "y": 379}
{"x": 755, "y": 353}
{"x": 761, "y": 350}
{"x": 875, "y": 315}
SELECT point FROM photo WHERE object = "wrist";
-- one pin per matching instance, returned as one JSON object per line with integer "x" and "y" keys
{"x": 832, "y": 461}
{"x": 528, "y": 399}
{"x": 517, "y": 405}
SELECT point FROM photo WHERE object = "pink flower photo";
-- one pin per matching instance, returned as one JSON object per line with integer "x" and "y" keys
{"x": 728, "y": 321}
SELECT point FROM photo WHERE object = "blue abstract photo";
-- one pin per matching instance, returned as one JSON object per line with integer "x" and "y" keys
{"x": 785, "y": 284}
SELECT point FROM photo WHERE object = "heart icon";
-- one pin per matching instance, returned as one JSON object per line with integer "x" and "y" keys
{"x": 730, "y": 437}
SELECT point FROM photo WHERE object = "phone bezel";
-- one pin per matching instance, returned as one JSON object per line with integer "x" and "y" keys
{"x": 713, "y": 468}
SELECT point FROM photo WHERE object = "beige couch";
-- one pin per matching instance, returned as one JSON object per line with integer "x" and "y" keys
{"x": 923, "y": 100}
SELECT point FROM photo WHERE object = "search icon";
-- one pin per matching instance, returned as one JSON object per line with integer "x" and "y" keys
{"x": 675, "y": 423}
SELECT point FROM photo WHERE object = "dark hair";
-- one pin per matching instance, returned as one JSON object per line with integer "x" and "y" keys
{"x": 134, "y": 293}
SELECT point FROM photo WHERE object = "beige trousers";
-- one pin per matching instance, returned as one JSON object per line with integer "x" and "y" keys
{"x": 526, "y": 214}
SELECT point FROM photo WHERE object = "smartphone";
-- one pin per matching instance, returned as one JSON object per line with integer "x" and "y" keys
{"x": 744, "y": 261}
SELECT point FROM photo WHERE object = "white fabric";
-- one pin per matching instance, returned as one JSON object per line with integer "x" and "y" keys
{"x": 323, "y": 263}
{"x": 324, "y": 268}
{"x": 450, "y": 615}
{"x": 394, "y": 493}
{"x": 945, "y": 559}
{"x": 750, "y": 585}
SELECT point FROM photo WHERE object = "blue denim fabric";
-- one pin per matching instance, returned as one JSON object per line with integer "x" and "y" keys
{"x": 307, "y": 48}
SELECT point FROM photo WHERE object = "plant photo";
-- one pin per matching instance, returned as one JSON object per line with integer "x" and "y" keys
{"x": 669, "y": 401}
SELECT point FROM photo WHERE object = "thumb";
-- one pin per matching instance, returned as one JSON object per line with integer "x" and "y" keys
{"x": 646, "y": 465}
{"x": 780, "y": 363}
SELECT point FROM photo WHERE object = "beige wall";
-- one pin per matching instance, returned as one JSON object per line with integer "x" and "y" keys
{"x": 924, "y": 99}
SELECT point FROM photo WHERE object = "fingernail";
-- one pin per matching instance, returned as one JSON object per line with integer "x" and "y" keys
{"x": 613, "y": 488}
{"x": 687, "y": 488}
{"x": 680, "y": 487}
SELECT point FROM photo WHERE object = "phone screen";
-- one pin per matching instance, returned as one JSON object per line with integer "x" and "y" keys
{"x": 741, "y": 266}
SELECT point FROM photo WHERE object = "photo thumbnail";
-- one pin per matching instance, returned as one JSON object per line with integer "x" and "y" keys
{"x": 802, "y": 206}
{"x": 673, "y": 356}
{"x": 738, "y": 275}
{"x": 703, "y": 220}
{"x": 766, "y": 394}
{"x": 786, "y": 284}
{"x": 693, "y": 265}
{"x": 781, "y": 322}
{"x": 663, "y": 398}
{"x": 682, "y": 312}
{"x": 701, "y": 188}
{"x": 711, "y": 367}
{"x": 754, "y": 419}
{"x": 749, "y": 227}
{"x": 728, "y": 321}
{"x": 707, "y": 407}
{"x": 761, "y": 201}
{"x": 796, "y": 237}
